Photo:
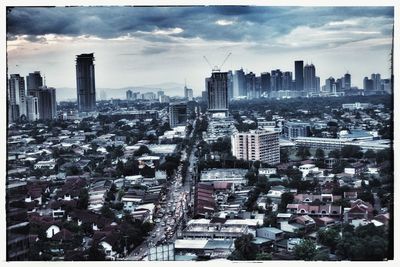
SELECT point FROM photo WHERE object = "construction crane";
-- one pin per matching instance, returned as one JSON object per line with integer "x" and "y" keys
{"x": 217, "y": 68}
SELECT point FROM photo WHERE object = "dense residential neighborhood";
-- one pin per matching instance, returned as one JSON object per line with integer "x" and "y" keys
{"x": 100, "y": 188}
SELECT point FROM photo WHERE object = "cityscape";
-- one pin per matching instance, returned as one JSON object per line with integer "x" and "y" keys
{"x": 284, "y": 162}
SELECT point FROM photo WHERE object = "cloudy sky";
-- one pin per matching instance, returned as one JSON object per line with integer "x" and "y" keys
{"x": 146, "y": 45}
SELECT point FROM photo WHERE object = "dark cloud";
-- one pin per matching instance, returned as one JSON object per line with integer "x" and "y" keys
{"x": 250, "y": 22}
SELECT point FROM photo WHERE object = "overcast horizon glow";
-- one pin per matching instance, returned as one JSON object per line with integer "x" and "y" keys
{"x": 136, "y": 46}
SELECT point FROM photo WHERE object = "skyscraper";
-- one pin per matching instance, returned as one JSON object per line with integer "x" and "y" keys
{"x": 265, "y": 82}
{"x": 330, "y": 85}
{"x": 287, "y": 80}
{"x": 318, "y": 84}
{"x": 32, "y": 107}
{"x": 239, "y": 83}
{"x": 47, "y": 103}
{"x": 376, "y": 80}
{"x": 309, "y": 78}
{"x": 298, "y": 72}
{"x": 129, "y": 95}
{"x": 250, "y": 79}
{"x": 85, "y": 81}
{"x": 177, "y": 114}
{"x": 17, "y": 96}
{"x": 217, "y": 92}
{"x": 276, "y": 80}
{"x": 368, "y": 84}
{"x": 347, "y": 81}
{"x": 230, "y": 85}
{"x": 33, "y": 81}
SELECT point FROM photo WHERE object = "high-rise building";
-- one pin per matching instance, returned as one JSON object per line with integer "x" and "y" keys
{"x": 190, "y": 94}
{"x": 239, "y": 83}
{"x": 276, "y": 80}
{"x": 230, "y": 85}
{"x": 287, "y": 80}
{"x": 368, "y": 84}
{"x": 309, "y": 78}
{"x": 217, "y": 92}
{"x": 318, "y": 83}
{"x": 33, "y": 81}
{"x": 32, "y": 107}
{"x": 85, "y": 81}
{"x": 347, "y": 81}
{"x": 250, "y": 85}
{"x": 257, "y": 145}
{"x": 129, "y": 95}
{"x": 47, "y": 104}
{"x": 376, "y": 80}
{"x": 265, "y": 82}
{"x": 177, "y": 114}
{"x": 204, "y": 96}
{"x": 160, "y": 94}
{"x": 298, "y": 73}
{"x": 149, "y": 96}
{"x": 17, "y": 96}
{"x": 330, "y": 85}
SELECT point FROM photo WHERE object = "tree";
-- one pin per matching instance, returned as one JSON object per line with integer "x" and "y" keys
{"x": 319, "y": 154}
{"x": 96, "y": 253}
{"x": 328, "y": 237}
{"x": 107, "y": 212}
{"x": 305, "y": 250}
{"x": 251, "y": 177}
{"x": 286, "y": 198}
{"x": 142, "y": 150}
{"x": 334, "y": 154}
{"x": 263, "y": 256}
{"x": 284, "y": 155}
{"x": 244, "y": 248}
{"x": 303, "y": 152}
{"x": 369, "y": 154}
{"x": 83, "y": 200}
{"x": 351, "y": 151}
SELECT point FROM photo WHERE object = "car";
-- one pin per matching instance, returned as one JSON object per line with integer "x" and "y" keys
{"x": 153, "y": 235}
{"x": 158, "y": 220}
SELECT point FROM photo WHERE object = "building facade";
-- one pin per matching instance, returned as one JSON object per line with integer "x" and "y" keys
{"x": 34, "y": 81}
{"x": 85, "y": 83}
{"x": 257, "y": 145}
{"x": 17, "y": 96}
{"x": 177, "y": 114}
{"x": 298, "y": 73}
{"x": 217, "y": 92}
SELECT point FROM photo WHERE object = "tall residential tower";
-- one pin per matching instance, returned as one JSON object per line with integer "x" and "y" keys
{"x": 86, "y": 89}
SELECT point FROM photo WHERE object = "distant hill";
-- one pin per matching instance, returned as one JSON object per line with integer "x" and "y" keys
{"x": 170, "y": 89}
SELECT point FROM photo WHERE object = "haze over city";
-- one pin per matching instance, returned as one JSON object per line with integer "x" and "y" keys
{"x": 137, "y": 46}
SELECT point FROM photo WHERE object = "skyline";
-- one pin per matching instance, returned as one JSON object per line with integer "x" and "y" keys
{"x": 128, "y": 42}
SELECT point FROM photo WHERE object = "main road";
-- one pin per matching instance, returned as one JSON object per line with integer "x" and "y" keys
{"x": 173, "y": 211}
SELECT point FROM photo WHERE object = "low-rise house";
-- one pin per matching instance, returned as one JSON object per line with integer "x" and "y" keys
{"x": 271, "y": 233}
{"x": 52, "y": 230}
{"x": 325, "y": 221}
{"x": 45, "y": 164}
{"x": 109, "y": 241}
{"x": 306, "y": 209}
{"x": 322, "y": 198}
{"x": 359, "y": 210}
